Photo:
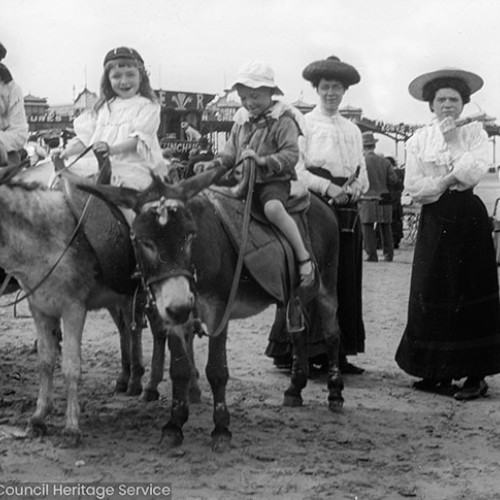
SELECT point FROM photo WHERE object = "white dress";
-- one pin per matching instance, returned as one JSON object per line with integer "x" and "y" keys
{"x": 115, "y": 122}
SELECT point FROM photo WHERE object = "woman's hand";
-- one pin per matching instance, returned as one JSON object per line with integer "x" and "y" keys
{"x": 102, "y": 148}
{"x": 355, "y": 191}
{"x": 449, "y": 129}
{"x": 337, "y": 194}
{"x": 250, "y": 153}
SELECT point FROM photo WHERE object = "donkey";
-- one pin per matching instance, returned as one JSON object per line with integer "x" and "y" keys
{"x": 62, "y": 281}
{"x": 189, "y": 262}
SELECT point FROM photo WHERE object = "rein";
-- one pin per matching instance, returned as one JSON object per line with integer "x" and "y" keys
{"x": 241, "y": 254}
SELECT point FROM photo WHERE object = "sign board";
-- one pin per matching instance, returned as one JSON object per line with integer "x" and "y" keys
{"x": 183, "y": 101}
{"x": 49, "y": 118}
{"x": 180, "y": 148}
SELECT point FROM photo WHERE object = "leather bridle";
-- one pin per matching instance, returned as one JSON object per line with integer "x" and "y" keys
{"x": 148, "y": 281}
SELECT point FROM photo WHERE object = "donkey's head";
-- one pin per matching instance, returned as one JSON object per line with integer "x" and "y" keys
{"x": 162, "y": 233}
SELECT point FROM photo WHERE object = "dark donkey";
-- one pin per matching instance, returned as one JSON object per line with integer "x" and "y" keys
{"x": 189, "y": 262}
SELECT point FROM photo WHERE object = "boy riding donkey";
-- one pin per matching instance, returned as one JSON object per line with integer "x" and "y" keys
{"x": 266, "y": 132}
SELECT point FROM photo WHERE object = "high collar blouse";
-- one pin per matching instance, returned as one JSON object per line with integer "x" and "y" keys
{"x": 333, "y": 143}
{"x": 430, "y": 159}
{"x": 13, "y": 123}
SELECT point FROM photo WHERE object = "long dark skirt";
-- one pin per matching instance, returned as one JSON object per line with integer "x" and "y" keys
{"x": 453, "y": 328}
{"x": 350, "y": 273}
{"x": 350, "y": 304}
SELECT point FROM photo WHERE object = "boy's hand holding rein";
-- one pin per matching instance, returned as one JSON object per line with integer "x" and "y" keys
{"x": 250, "y": 153}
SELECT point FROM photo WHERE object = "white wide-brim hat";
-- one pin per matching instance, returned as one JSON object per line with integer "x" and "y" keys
{"x": 416, "y": 87}
{"x": 256, "y": 74}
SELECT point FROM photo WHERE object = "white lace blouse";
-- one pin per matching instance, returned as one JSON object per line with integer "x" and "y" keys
{"x": 333, "y": 143}
{"x": 429, "y": 159}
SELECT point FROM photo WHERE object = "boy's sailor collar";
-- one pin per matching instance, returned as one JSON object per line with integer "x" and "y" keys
{"x": 274, "y": 112}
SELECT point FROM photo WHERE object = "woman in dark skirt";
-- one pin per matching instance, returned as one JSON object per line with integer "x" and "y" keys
{"x": 333, "y": 166}
{"x": 453, "y": 328}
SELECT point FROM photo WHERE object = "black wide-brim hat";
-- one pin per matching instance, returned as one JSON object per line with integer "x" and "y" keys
{"x": 331, "y": 68}
{"x": 416, "y": 87}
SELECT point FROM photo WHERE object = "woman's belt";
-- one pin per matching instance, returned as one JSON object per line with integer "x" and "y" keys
{"x": 326, "y": 174}
{"x": 347, "y": 214}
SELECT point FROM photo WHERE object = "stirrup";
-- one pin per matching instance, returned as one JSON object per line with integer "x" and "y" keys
{"x": 294, "y": 316}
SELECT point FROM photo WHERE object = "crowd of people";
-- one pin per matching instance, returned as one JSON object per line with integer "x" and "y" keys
{"x": 453, "y": 323}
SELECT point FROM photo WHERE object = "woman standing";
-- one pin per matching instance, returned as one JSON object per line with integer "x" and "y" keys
{"x": 13, "y": 123}
{"x": 334, "y": 167}
{"x": 453, "y": 328}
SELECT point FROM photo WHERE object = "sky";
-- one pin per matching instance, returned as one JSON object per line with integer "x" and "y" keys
{"x": 56, "y": 47}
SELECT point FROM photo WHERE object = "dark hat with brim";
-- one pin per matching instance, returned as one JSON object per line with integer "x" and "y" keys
{"x": 369, "y": 139}
{"x": 331, "y": 68}
{"x": 123, "y": 53}
{"x": 416, "y": 87}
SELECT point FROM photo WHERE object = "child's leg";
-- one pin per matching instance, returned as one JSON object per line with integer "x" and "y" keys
{"x": 277, "y": 215}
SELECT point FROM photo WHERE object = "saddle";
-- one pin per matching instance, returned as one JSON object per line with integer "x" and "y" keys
{"x": 106, "y": 230}
{"x": 269, "y": 257}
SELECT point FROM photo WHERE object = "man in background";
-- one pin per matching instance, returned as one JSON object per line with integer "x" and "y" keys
{"x": 375, "y": 206}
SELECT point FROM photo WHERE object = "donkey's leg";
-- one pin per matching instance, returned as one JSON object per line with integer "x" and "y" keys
{"x": 327, "y": 304}
{"x": 121, "y": 383}
{"x": 218, "y": 375}
{"x": 130, "y": 331}
{"x": 47, "y": 347}
{"x": 300, "y": 364}
{"x": 73, "y": 322}
{"x": 194, "y": 390}
{"x": 180, "y": 374}
{"x": 159, "y": 332}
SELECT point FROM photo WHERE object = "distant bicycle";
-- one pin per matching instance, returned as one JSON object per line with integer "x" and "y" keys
{"x": 411, "y": 217}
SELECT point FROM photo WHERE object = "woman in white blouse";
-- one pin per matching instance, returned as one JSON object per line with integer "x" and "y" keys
{"x": 453, "y": 328}
{"x": 333, "y": 166}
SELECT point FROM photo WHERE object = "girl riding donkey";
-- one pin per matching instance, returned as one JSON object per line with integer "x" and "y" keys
{"x": 122, "y": 125}
{"x": 266, "y": 132}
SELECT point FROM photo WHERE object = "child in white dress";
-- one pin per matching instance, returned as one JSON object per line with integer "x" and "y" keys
{"x": 123, "y": 124}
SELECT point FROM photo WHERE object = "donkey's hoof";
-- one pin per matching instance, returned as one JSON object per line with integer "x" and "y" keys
{"x": 292, "y": 401}
{"x": 70, "y": 438}
{"x": 36, "y": 428}
{"x": 171, "y": 436}
{"x": 336, "y": 405}
{"x": 150, "y": 395}
{"x": 134, "y": 389}
{"x": 121, "y": 386}
{"x": 221, "y": 442}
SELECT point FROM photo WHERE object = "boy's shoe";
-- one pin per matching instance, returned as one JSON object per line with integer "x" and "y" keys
{"x": 307, "y": 279}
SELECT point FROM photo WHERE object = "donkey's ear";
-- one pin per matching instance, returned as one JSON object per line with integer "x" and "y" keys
{"x": 194, "y": 185}
{"x": 119, "y": 196}
{"x": 7, "y": 173}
